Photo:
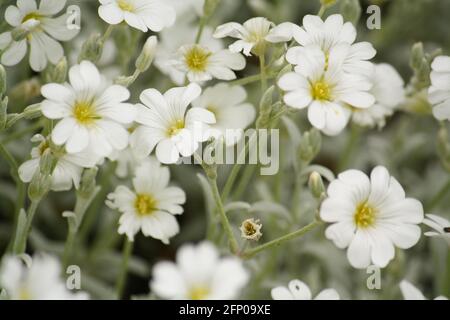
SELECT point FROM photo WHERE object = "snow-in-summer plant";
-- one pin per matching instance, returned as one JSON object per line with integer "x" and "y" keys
{"x": 114, "y": 114}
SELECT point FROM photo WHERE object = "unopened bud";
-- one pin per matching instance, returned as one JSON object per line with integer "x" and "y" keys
{"x": 316, "y": 186}
{"x": 88, "y": 182}
{"x": 145, "y": 59}
{"x": 417, "y": 55}
{"x": 47, "y": 162}
{"x": 351, "y": 10}
{"x": 2, "y": 81}
{"x": 251, "y": 229}
{"x": 39, "y": 186}
{"x": 56, "y": 73}
{"x": 92, "y": 48}
{"x": 310, "y": 145}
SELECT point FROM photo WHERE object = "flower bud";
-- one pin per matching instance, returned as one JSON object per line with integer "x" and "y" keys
{"x": 39, "y": 186}
{"x": 92, "y": 48}
{"x": 251, "y": 229}
{"x": 2, "y": 81}
{"x": 88, "y": 182}
{"x": 145, "y": 59}
{"x": 310, "y": 145}
{"x": 56, "y": 73}
{"x": 47, "y": 162}
{"x": 351, "y": 10}
{"x": 316, "y": 186}
{"x": 265, "y": 109}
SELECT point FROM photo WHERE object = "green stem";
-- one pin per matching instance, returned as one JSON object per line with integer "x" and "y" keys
{"x": 250, "y": 79}
{"x": 322, "y": 10}
{"x": 201, "y": 27}
{"x": 262, "y": 67}
{"x": 68, "y": 247}
{"x": 349, "y": 147}
{"x": 20, "y": 242}
{"x": 249, "y": 170}
{"x": 121, "y": 280}
{"x": 438, "y": 197}
{"x": 107, "y": 33}
{"x": 276, "y": 242}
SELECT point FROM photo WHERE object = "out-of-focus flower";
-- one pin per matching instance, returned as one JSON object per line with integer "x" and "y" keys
{"x": 440, "y": 225}
{"x": 199, "y": 63}
{"x": 144, "y": 15}
{"x": 410, "y": 292}
{"x": 227, "y": 104}
{"x": 327, "y": 35}
{"x": 187, "y": 10}
{"x": 67, "y": 171}
{"x": 252, "y": 35}
{"x": 388, "y": 90}
{"x": 92, "y": 113}
{"x": 40, "y": 281}
{"x": 39, "y": 30}
{"x": 320, "y": 84}
{"x": 439, "y": 92}
{"x": 166, "y": 125}
{"x": 151, "y": 205}
{"x": 199, "y": 274}
{"x": 370, "y": 216}
{"x": 298, "y": 290}
{"x": 171, "y": 39}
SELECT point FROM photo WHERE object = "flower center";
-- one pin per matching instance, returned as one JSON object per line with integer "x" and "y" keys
{"x": 125, "y": 5}
{"x": 31, "y": 15}
{"x": 197, "y": 58}
{"x": 24, "y": 294}
{"x": 364, "y": 215}
{"x": 43, "y": 146}
{"x": 198, "y": 293}
{"x": 175, "y": 127}
{"x": 321, "y": 91}
{"x": 144, "y": 204}
{"x": 84, "y": 113}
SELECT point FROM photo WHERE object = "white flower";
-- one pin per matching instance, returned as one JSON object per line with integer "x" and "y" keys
{"x": 320, "y": 84}
{"x": 370, "y": 216}
{"x": 40, "y": 281}
{"x": 331, "y": 33}
{"x": 151, "y": 205}
{"x": 298, "y": 290}
{"x": 127, "y": 161}
{"x": 92, "y": 113}
{"x": 42, "y": 30}
{"x": 439, "y": 92}
{"x": 199, "y": 63}
{"x": 68, "y": 168}
{"x": 440, "y": 225}
{"x": 171, "y": 39}
{"x": 187, "y": 10}
{"x": 388, "y": 90}
{"x": 166, "y": 124}
{"x": 199, "y": 274}
{"x": 252, "y": 35}
{"x": 144, "y": 15}
{"x": 232, "y": 113}
{"x": 410, "y": 292}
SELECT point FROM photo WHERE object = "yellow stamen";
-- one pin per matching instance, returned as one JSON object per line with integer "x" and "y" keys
{"x": 175, "y": 127}
{"x": 197, "y": 58}
{"x": 144, "y": 204}
{"x": 85, "y": 113}
{"x": 364, "y": 215}
{"x": 198, "y": 293}
{"x": 31, "y": 15}
{"x": 321, "y": 91}
{"x": 125, "y": 5}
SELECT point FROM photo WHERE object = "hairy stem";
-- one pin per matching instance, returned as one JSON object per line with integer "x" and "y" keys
{"x": 121, "y": 280}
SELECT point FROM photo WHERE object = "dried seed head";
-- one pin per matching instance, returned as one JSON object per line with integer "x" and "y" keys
{"x": 251, "y": 229}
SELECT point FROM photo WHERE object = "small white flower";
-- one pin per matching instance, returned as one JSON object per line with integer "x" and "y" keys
{"x": 42, "y": 30}
{"x": 68, "y": 168}
{"x": 151, "y": 205}
{"x": 199, "y": 63}
{"x": 370, "y": 216}
{"x": 331, "y": 33}
{"x": 298, "y": 290}
{"x": 320, "y": 84}
{"x": 227, "y": 104}
{"x": 252, "y": 35}
{"x": 144, "y": 15}
{"x": 167, "y": 124}
{"x": 199, "y": 274}
{"x": 40, "y": 281}
{"x": 410, "y": 292}
{"x": 388, "y": 90}
{"x": 440, "y": 225}
{"x": 92, "y": 113}
{"x": 439, "y": 92}
{"x": 171, "y": 39}
{"x": 127, "y": 162}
